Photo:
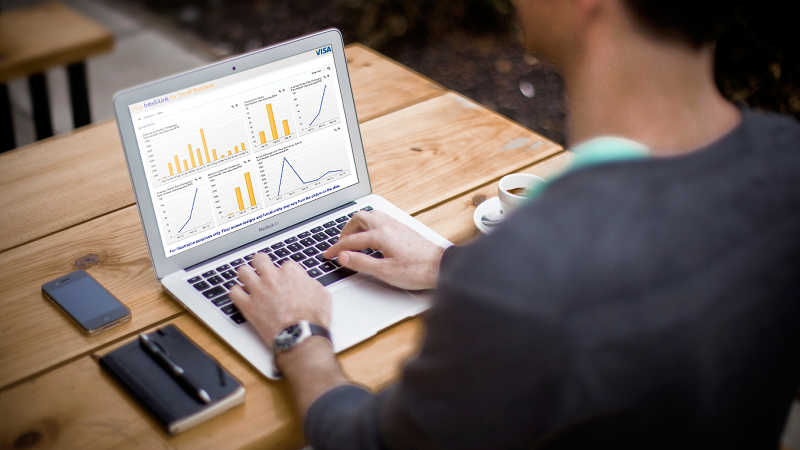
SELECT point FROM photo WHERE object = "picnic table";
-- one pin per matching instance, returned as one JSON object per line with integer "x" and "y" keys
{"x": 68, "y": 205}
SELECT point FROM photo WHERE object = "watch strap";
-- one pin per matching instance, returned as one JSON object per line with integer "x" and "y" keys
{"x": 319, "y": 330}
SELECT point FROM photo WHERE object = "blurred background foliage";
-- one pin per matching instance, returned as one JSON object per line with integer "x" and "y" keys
{"x": 475, "y": 47}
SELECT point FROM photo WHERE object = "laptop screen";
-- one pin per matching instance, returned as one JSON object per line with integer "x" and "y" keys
{"x": 225, "y": 154}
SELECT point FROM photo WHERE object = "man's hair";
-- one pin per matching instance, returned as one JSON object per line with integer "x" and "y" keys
{"x": 696, "y": 22}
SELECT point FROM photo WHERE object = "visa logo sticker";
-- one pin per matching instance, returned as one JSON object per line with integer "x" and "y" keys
{"x": 323, "y": 50}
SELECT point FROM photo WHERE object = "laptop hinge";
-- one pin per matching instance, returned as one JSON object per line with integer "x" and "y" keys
{"x": 270, "y": 236}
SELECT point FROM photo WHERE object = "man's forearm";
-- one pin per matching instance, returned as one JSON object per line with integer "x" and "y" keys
{"x": 312, "y": 370}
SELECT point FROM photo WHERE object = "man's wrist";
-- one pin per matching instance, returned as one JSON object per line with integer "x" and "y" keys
{"x": 312, "y": 370}
{"x": 436, "y": 264}
{"x": 313, "y": 351}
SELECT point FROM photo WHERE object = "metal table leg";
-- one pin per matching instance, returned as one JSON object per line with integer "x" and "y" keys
{"x": 79, "y": 94}
{"x": 37, "y": 85}
{"x": 7, "y": 141}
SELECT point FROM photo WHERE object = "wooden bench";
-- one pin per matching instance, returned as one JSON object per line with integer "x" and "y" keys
{"x": 35, "y": 39}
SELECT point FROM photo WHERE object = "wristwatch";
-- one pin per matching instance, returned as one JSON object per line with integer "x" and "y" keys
{"x": 297, "y": 333}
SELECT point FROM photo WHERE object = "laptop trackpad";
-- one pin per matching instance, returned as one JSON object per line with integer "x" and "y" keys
{"x": 363, "y": 306}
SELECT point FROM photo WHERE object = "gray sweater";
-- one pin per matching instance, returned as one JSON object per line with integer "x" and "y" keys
{"x": 648, "y": 303}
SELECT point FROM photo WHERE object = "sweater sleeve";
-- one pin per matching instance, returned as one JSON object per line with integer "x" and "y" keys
{"x": 344, "y": 418}
{"x": 454, "y": 393}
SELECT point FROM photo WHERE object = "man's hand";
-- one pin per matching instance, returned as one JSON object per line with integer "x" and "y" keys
{"x": 410, "y": 261}
{"x": 279, "y": 297}
{"x": 276, "y": 298}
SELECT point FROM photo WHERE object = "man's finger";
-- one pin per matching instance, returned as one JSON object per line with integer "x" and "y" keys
{"x": 361, "y": 221}
{"x": 358, "y": 241}
{"x": 248, "y": 276}
{"x": 239, "y": 296}
{"x": 292, "y": 267}
{"x": 362, "y": 263}
{"x": 264, "y": 266}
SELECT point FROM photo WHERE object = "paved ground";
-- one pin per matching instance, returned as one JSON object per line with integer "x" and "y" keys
{"x": 141, "y": 53}
{"x": 477, "y": 57}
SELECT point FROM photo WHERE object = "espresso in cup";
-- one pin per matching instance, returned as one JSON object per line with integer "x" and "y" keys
{"x": 514, "y": 189}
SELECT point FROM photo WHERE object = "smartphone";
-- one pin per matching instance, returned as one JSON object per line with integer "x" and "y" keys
{"x": 86, "y": 302}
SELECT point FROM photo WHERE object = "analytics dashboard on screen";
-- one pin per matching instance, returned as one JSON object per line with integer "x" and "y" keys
{"x": 224, "y": 154}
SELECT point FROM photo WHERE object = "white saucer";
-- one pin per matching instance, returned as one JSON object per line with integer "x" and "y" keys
{"x": 491, "y": 208}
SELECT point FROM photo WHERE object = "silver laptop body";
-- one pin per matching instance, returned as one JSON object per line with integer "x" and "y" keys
{"x": 250, "y": 154}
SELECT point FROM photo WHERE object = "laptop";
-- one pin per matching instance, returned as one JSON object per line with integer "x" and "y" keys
{"x": 258, "y": 153}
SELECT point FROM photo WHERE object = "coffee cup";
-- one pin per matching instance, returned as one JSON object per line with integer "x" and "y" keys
{"x": 514, "y": 189}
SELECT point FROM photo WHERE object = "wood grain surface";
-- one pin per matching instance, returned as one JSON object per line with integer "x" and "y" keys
{"x": 62, "y": 181}
{"x": 86, "y": 408}
{"x": 454, "y": 218}
{"x": 65, "y": 180}
{"x": 437, "y": 149}
{"x": 435, "y": 158}
{"x": 36, "y": 336}
{"x": 34, "y": 333}
{"x": 75, "y": 406}
{"x": 34, "y": 39}
{"x": 381, "y": 85}
{"x": 266, "y": 420}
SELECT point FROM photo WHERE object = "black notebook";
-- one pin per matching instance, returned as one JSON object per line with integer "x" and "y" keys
{"x": 159, "y": 393}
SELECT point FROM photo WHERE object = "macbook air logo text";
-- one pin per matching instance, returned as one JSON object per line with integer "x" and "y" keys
{"x": 267, "y": 226}
{"x": 323, "y": 50}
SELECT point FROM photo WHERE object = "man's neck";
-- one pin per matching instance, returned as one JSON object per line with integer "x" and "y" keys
{"x": 658, "y": 93}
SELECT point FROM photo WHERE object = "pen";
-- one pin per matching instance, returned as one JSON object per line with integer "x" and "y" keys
{"x": 173, "y": 369}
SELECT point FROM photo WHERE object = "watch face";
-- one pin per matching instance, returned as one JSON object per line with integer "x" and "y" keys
{"x": 293, "y": 331}
{"x": 288, "y": 337}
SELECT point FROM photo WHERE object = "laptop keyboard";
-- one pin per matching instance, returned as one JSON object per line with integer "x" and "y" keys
{"x": 305, "y": 248}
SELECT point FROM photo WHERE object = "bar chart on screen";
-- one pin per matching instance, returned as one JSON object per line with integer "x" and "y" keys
{"x": 186, "y": 147}
{"x": 270, "y": 118}
{"x": 235, "y": 192}
{"x": 185, "y": 209}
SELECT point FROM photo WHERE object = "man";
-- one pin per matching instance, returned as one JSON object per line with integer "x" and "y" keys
{"x": 649, "y": 302}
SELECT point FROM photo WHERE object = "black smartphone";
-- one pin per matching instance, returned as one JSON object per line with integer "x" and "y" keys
{"x": 86, "y": 302}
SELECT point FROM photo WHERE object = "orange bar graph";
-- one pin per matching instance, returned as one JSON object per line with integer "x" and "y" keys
{"x": 286, "y": 131}
{"x": 272, "y": 125}
{"x": 191, "y": 156}
{"x": 205, "y": 146}
{"x": 175, "y": 167}
{"x": 250, "y": 192}
{"x": 262, "y": 137}
{"x": 239, "y": 198}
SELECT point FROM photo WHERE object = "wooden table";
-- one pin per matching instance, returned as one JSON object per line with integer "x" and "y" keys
{"x": 36, "y": 38}
{"x": 68, "y": 204}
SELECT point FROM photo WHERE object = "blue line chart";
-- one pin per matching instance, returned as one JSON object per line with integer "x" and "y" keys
{"x": 191, "y": 211}
{"x": 286, "y": 162}
{"x": 320, "y": 105}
